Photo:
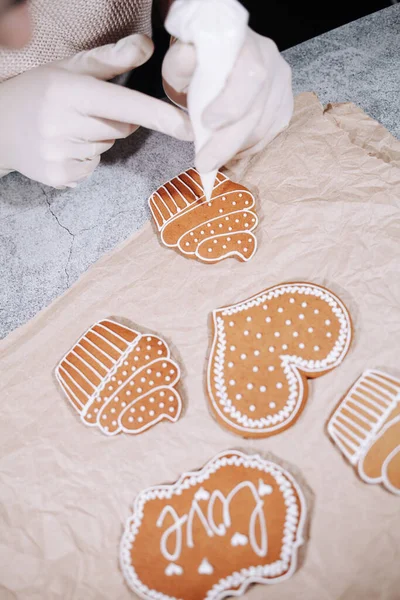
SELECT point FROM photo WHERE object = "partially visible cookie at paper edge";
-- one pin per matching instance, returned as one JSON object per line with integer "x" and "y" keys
{"x": 120, "y": 380}
{"x": 266, "y": 347}
{"x": 208, "y": 231}
{"x": 366, "y": 428}
{"x": 237, "y": 521}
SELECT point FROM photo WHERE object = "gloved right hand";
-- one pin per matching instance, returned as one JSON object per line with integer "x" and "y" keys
{"x": 56, "y": 120}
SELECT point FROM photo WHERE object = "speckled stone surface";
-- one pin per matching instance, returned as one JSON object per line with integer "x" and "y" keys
{"x": 49, "y": 237}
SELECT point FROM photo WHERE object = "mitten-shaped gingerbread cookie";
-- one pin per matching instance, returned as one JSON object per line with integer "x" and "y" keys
{"x": 120, "y": 380}
{"x": 366, "y": 428}
{"x": 209, "y": 231}
{"x": 237, "y": 521}
{"x": 266, "y": 347}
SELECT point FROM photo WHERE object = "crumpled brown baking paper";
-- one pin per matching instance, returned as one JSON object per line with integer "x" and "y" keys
{"x": 328, "y": 196}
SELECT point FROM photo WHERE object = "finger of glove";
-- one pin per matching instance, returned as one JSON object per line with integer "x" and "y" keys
{"x": 275, "y": 114}
{"x": 245, "y": 82}
{"x": 111, "y": 60}
{"x": 93, "y": 129}
{"x": 113, "y": 102}
{"x": 225, "y": 143}
{"x": 70, "y": 172}
{"x": 178, "y": 66}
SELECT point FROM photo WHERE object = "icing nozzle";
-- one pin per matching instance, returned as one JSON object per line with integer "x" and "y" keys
{"x": 208, "y": 180}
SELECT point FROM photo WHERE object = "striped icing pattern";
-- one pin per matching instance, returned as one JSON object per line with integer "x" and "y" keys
{"x": 120, "y": 380}
{"x": 207, "y": 230}
{"x": 363, "y": 412}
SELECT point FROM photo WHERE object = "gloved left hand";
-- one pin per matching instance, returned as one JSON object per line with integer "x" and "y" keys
{"x": 255, "y": 105}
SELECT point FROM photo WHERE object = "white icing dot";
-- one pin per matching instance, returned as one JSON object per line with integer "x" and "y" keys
{"x": 202, "y": 232}
{"x": 252, "y": 407}
{"x": 161, "y": 405}
{"x": 258, "y": 336}
{"x": 256, "y": 353}
{"x": 148, "y": 371}
{"x": 168, "y": 378}
{"x": 143, "y": 379}
{"x": 110, "y": 387}
{"x": 162, "y": 394}
{"x": 138, "y": 349}
{"x": 232, "y": 382}
{"x": 316, "y": 348}
{"x": 226, "y": 218}
{"x": 220, "y": 225}
{"x": 327, "y": 322}
{"x": 123, "y": 404}
{"x": 208, "y": 224}
{"x": 139, "y": 390}
{"x": 158, "y": 374}
{"x": 249, "y": 386}
{"x": 187, "y": 244}
{"x": 223, "y": 197}
{"x": 271, "y": 349}
{"x": 142, "y": 408}
{"x": 280, "y": 310}
{"x": 310, "y": 330}
{"x": 240, "y": 195}
{"x": 130, "y": 419}
{"x": 231, "y": 323}
{"x": 224, "y": 246}
{"x": 147, "y": 357}
{"x": 210, "y": 250}
{"x": 148, "y": 339}
{"x": 113, "y": 410}
{"x": 263, "y": 388}
{"x": 119, "y": 382}
{"x": 131, "y": 383}
{"x": 248, "y": 319}
{"x": 171, "y": 398}
{"x": 89, "y": 416}
{"x": 245, "y": 249}
{"x": 148, "y": 347}
{"x": 295, "y": 334}
{"x": 284, "y": 346}
{"x": 215, "y": 241}
{"x": 329, "y": 334}
{"x": 228, "y": 239}
{"x": 104, "y": 417}
{"x": 301, "y": 345}
{"x": 272, "y": 405}
{"x": 268, "y": 320}
{"x": 238, "y": 396}
{"x": 159, "y": 352}
{"x": 230, "y": 364}
{"x": 212, "y": 231}
{"x": 279, "y": 385}
{"x": 233, "y": 348}
{"x": 316, "y": 311}
{"x": 292, "y": 300}
{"x": 114, "y": 423}
{"x": 304, "y": 304}
{"x": 164, "y": 365}
{"x": 239, "y": 242}
{"x": 255, "y": 369}
{"x": 133, "y": 368}
{"x": 126, "y": 363}
{"x": 112, "y": 378}
{"x": 196, "y": 240}
{"x": 236, "y": 220}
{"x": 288, "y": 322}
{"x": 265, "y": 306}
{"x": 277, "y": 334}
{"x": 246, "y": 332}
{"x": 151, "y": 413}
{"x": 243, "y": 356}
{"x": 159, "y": 343}
{"x": 171, "y": 409}
{"x": 301, "y": 316}
{"x": 124, "y": 372}
{"x": 140, "y": 419}
{"x": 136, "y": 358}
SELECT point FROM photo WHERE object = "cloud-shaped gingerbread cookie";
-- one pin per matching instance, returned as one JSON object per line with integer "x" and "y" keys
{"x": 237, "y": 521}
{"x": 209, "y": 231}
{"x": 120, "y": 380}
{"x": 366, "y": 428}
{"x": 264, "y": 349}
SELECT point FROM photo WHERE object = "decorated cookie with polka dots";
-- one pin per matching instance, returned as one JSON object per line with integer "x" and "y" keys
{"x": 237, "y": 521}
{"x": 265, "y": 348}
{"x": 209, "y": 231}
{"x": 120, "y": 380}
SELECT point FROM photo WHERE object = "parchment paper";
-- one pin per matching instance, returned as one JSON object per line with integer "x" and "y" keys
{"x": 328, "y": 198}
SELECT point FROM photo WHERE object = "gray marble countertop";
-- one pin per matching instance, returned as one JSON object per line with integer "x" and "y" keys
{"x": 49, "y": 237}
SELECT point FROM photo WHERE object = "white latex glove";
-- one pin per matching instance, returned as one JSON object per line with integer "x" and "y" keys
{"x": 56, "y": 120}
{"x": 256, "y": 104}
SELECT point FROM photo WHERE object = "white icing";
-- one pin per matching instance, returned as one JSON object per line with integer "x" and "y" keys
{"x": 217, "y": 29}
{"x": 290, "y": 364}
{"x": 205, "y": 568}
{"x": 238, "y": 581}
{"x": 341, "y": 428}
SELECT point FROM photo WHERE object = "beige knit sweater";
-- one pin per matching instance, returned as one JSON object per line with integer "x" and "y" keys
{"x": 64, "y": 27}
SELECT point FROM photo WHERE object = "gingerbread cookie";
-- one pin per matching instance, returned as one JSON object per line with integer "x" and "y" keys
{"x": 237, "y": 521}
{"x": 208, "y": 231}
{"x": 120, "y": 380}
{"x": 266, "y": 347}
{"x": 366, "y": 428}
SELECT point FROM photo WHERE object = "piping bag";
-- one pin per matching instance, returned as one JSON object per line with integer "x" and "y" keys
{"x": 217, "y": 29}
